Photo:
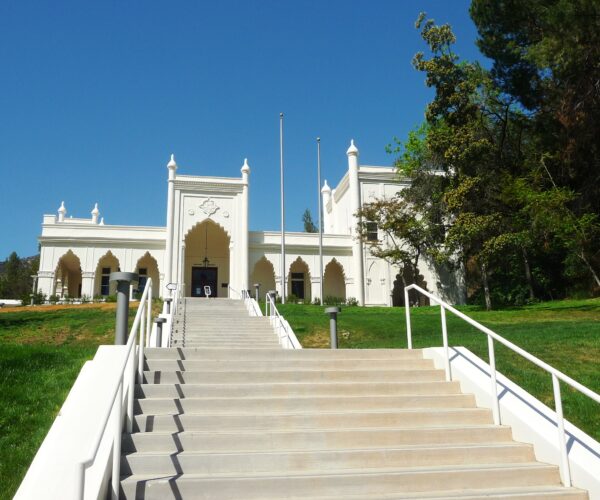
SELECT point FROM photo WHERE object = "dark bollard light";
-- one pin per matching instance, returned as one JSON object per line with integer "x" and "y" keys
{"x": 257, "y": 290}
{"x": 159, "y": 324}
{"x": 168, "y": 302}
{"x": 333, "y": 312}
{"x": 123, "y": 281}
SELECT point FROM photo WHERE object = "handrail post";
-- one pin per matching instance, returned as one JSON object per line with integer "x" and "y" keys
{"x": 148, "y": 321}
{"x": 116, "y": 452}
{"x": 408, "y": 328}
{"x": 494, "y": 384}
{"x": 560, "y": 425}
{"x": 140, "y": 354}
{"x": 131, "y": 388}
{"x": 445, "y": 340}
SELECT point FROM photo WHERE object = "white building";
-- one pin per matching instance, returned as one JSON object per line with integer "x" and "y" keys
{"x": 206, "y": 242}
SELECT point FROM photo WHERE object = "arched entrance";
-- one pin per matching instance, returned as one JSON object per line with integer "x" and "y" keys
{"x": 207, "y": 259}
{"x": 334, "y": 284}
{"x": 405, "y": 278}
{"x": 299, "y": 281}
{"x": 67, "y": 277}
{"x": 264, "y": 274}
{"x": 102, "y": 284}
{"x": 147, "y": 267}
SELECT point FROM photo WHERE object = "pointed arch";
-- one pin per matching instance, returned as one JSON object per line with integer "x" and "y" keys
{"x": 334, "y": 281}
{"x": 206, "y": 259}
{"x": 209, "y": 221}
{"x": 147, "y": 267}
{"x": 68, "y": 276}
{"x": 299, "y": 280}
{"x": 107, "y": 264}
{"x": 263, "y": 273}
{"x": 406, "y": 277}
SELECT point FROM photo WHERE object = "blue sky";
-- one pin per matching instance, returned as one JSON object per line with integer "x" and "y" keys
{"x": 95, "y": 96}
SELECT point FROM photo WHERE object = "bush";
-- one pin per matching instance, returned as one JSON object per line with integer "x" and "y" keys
{"x": 110, "y": 298}
{"x": 85, "y": 299}
{"x": 330, "y": 300}
{"x": 39, "y": 298}
{"x": 351, "y": 301}
{"x": 292, "y": 299}
{"x": 53, "y": 299}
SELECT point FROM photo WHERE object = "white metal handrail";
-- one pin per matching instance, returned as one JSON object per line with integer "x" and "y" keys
{"x": 141, "y": 325}
{"x": 557, "y": 375}
{"x": 283, "y": 328}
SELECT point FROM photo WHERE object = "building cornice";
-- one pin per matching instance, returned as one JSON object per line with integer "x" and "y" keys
{"x": 87, "y": 241}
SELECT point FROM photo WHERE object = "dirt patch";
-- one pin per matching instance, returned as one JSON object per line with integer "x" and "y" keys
{"x": 60, "y": 307}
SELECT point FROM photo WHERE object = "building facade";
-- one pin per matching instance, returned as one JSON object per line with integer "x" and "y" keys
{"x": 206, "y": 243}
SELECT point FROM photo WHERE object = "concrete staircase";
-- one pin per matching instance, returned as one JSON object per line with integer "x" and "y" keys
{"x": 220, "y": 323}
{"x": 231, "y": 416}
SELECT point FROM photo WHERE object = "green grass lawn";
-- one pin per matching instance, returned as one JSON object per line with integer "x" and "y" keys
{"x": 565, "y": 334}
{"x": 41, "y": 352}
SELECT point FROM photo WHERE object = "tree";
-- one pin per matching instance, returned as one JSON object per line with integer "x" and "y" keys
{"x": 15, "y": 281}
{"x": 309, "y": 226}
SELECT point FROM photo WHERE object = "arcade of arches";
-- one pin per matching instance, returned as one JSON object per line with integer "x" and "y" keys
{"x": 207, "y": 258}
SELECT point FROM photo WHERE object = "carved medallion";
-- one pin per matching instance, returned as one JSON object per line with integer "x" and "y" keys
{"x": 208, "y": 206}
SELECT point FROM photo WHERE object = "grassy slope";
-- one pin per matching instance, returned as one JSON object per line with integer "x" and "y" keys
{"x": 565, "y": 334}
{"x": 41, "y": 353}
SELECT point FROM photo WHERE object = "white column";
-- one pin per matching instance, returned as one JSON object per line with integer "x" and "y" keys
{"x": 243, "y": 269}
{"x": 172, "y": 166}
{"x": 355, "y": 204}
{"x": 87, "y": 284}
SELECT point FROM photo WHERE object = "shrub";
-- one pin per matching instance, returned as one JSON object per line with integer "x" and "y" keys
{"x": 292, "y": 299}
{"x": 330, "y": 300}
{"x": 351, "y": 301}
{"x": 53, "y": 299}
{"x": 110, "y": 298}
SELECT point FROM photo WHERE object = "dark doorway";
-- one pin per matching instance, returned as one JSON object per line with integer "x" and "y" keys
{"x": 201, "y": 277}
{"x": 298, "y": 285}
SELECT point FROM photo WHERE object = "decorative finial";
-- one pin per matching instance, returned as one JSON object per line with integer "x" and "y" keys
{"x": 102, "y": 221}
{"x": 280, "y": 115}
{"x": 95, "y": 213}
{"x": 245, "y": 167}
{"x": 352, "y": 150}
{"x": 62, "y": 209}
{"x": 326, "y": 188}
{"x": 172, "y": 163}
{"x": 318, "y": 139}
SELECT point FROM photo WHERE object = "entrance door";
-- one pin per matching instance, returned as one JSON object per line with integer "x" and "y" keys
{"x": 201, "y": 277}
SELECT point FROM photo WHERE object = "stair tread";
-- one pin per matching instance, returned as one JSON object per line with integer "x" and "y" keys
{"x": 361, "y": 472}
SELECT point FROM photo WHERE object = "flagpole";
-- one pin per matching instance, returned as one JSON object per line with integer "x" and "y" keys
{"x": 320, "y": 217}
{"x": 282, "y": 210}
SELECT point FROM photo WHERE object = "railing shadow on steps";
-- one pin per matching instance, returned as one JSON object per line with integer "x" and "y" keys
{"x": 557, "y": 376}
